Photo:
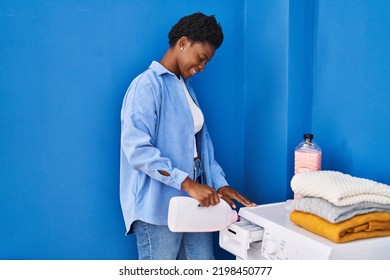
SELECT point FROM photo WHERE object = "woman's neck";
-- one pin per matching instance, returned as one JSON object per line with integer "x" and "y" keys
{"x": 169, "y": 61}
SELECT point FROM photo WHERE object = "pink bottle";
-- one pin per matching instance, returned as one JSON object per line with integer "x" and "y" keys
{"x": 308, "y": 156}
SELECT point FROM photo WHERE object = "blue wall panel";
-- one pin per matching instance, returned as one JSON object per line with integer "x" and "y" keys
{"x": 300, "y": 78}
{"x": 266, "y": 56}
{"x": 65, "y": 66}
{"x": 351, "y": 102}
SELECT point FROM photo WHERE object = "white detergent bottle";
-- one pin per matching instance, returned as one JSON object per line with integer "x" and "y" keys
{"x": 185, "y": 215}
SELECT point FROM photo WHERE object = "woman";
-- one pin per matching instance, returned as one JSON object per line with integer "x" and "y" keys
{"x": 166, "y": 150}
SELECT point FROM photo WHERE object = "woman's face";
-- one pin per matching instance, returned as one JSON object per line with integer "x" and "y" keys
{"x": 193, "y": 57}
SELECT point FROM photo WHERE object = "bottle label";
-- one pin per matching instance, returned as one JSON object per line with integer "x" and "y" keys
{"x": 307, "y": 161}
{"x": 307, "y": 157}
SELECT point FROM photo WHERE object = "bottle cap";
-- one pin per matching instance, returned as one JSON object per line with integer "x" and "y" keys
{"x": 233, "y": 216}
{"x": 308, "y": 136}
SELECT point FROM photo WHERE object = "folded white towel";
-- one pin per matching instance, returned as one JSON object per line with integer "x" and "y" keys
{"x": 339, "y": 188}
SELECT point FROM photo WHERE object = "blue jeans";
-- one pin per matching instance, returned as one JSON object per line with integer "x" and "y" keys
{"x": 159, "y": 243}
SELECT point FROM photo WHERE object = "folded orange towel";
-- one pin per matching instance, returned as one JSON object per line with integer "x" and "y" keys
{"x": 374, "y": 224}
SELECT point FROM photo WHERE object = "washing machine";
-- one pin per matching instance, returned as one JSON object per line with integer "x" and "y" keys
{"x": 266, "y": 232}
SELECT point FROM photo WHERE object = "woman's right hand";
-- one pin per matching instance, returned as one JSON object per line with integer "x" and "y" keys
{"x": 204, "y": 194}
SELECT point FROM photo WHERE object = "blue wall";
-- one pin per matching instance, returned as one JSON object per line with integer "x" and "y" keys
{"x": 351, "y": 104}
{"x": 266, "y": 91}
{"x": 65, "y": 66}
{"x": 285, "y": 68}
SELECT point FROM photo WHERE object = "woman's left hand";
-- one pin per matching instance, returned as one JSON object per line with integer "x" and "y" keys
{"x": 227, "y": 193}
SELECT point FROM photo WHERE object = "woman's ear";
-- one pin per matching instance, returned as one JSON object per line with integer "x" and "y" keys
{"x": 182, "y": 42}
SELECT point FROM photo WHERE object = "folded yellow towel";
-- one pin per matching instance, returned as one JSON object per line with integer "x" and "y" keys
{"x": 374, "y": 224}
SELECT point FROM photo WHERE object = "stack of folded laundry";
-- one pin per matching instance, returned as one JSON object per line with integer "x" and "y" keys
{"x": 341, "y": 207}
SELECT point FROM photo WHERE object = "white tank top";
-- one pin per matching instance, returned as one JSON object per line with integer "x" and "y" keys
{"x": 197, "y": 114}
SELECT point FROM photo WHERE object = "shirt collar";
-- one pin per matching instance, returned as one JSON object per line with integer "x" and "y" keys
{"x": 159, "y": 69}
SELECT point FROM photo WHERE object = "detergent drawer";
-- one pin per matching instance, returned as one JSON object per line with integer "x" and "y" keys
{"x": 242, "y": 239}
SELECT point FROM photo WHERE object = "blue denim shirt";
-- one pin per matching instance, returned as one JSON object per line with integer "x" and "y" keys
{"x": 157, "y": 133}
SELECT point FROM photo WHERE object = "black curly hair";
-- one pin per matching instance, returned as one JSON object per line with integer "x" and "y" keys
{"x": 198, "y": 28}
